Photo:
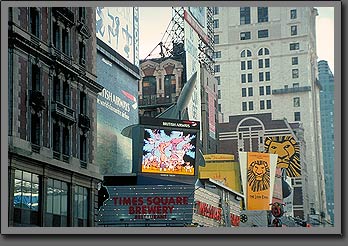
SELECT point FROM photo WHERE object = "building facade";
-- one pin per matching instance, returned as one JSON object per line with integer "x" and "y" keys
{"x": 53, "y": 176}
{"x": 266, "y": 63}
{"x": 326, "y": 80}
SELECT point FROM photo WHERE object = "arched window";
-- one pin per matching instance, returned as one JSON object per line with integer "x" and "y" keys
{"x": 247, "y": 52}
{"x": 263, "y": 51}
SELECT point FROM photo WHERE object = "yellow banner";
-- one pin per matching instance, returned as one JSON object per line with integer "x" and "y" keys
{"x": 258, "y": 181}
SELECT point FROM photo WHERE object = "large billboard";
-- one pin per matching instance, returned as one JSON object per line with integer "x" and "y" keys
{"x": 118, "y": 27}
{"x": 116, "y": 109}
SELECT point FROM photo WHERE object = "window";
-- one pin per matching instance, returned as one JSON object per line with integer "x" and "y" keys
{"x": 83, "y": 149}
{"x": 26, "y": 199}
{"x": 250, "y": 91}
{"x": 219, "y": 107}
{"x": 261, "y": 91}
{"x": 82, "y": 14}
{"x": 216, "y": 39}
{"x": 83, "y": 103}
{"x": 82, "y": 53}
{"x": 56, "y": 203}
{"x": 66, "y": 141}
{"x": 293, "y": 14}
{"x": 56, "y": 35}
{"x": 260, "y": 63}
{"x": 268, "y": 76}
{"x": 251, "y": 105}
{"x": 296, "y": 85}
{"x": 295, "y": 73}
{"x": 243, "y": 78}
{"x": 242, "y": 65}
{"x": 34, "y": 22}
{"x": 267, "y": 62}
{"x": 215, "y": 10}
{"x": 293, "y": 30}
{"x": 244, "y": 106}
{"x": 262, "y": 33}
{"x": 217, "y": 54}
{"x": 243, "y": 92}
{"x": 294, "y": 46}
{"x": 268, "y": 90}
{"x": 266, "y": 51}
{"x": 250, "y": 77}
{"x": 269, "y": 104}
{"x": 245, "y": 35}
{"x": 248, "y": 53}
{"x": 260, "y": 52}
{"x": 262, "y": 104}
{"x": 297, "y": 116}
{"x": 260, "y": 76}
{"x": 219, "y": 94}
{"x": 296, "y": 102}
{"x": 262, "y": 14}
{"x": 80, "y": 210}
{"x": 249, "y": 64}
{"x": 263, "y": 51}
{"x": 35, "y": 129}
{"x": 66, "y": 41}
{"x": 244, "y": 15}
{"x": 218, "y": 79}
{"x": 66, "y": 94}
{"x": 216, "y": 68}
{"x": 216, "y": 23}
{"x": 294, "y": 60}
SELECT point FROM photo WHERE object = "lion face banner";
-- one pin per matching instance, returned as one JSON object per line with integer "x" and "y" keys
{"x": 258, "y": 173}
{"x": 288, "y": 151}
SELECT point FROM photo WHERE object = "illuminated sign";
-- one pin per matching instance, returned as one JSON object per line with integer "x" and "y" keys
{"x": 208, "y": 211}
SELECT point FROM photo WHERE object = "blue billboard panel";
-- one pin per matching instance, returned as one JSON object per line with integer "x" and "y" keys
{"x": 117, "y": 108}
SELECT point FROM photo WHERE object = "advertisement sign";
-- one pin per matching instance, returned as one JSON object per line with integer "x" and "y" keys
{"x": 258, "y": 176}
{"x": 116, "y": 109}
{"x": 118, "y": 28}
{"x": 208, "y": 210}
{"x": 196, "y": 18}
{"x": 288, "y": 151}
{"x": 277, "y": 191}
{"x": 288, "y": 202}
{"x": 161, "y": 204}
{"x": 211, "y": 110}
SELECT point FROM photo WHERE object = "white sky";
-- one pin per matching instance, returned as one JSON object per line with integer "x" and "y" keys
{"x": 153, "y": 22}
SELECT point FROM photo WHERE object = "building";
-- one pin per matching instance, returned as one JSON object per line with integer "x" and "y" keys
{"x": 53, "y": 175}
{"x": 326, "y": 80}
{"x": 266, "y": 63}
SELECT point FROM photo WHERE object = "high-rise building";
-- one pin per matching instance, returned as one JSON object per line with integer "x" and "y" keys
{"x": 326, "y": 80}
{"x": 53, "y": 175}
{"x": 267, "y": 63}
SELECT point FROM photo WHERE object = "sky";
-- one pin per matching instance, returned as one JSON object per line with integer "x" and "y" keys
{"x": 155, "y": 20}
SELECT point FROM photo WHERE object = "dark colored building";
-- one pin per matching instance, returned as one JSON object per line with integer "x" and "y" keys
{"x": 52, "y": 84}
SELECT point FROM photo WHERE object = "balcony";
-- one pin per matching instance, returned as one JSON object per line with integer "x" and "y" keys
{"x": 61, "y": 56}
{"x": 63, "y": 111}
{"x": 65, "y": 15}
{"x": 291, "y": 90}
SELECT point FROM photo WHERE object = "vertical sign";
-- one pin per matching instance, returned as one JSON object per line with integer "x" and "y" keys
{"x": 211, "y": 110}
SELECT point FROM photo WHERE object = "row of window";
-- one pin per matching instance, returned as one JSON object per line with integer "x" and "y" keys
{"x": 262, "y": 15}
{"x": 263, "y": 63}
{"x": 249, "y": 106}
{"x": 260, "y": 34}
{"x": 263, "y": 76}
{"x": 27, "y": 198}
{"x": 261, "y": 91}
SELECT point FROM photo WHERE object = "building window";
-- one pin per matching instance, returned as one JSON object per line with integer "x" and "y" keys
{"x": 262, "y": 104}
{"x": 217, "y": 54}
{"x": 35, "y": 129}
{"x": 266, "y": 51}
{"x": 262, "y": 14}
{"x": 260, "y": 63}
{"x": 83, "y": 149}
{"x": 242, "y": 65}
{"x": 294, "y": 60}
{"x": 217, "y": 68}
{"x": 80, "y": 210}
{"x": 295, "y": 46}
{"x": 66, "y": 94}
{"x": 262, "y": 33}
{"x": 245, "y": 35}
{"x": 296, "y": 102}
{"x": 295, "y": 73}
{"x": 219, "y": 107}
{"x": 56, "y": 137}
{"x": 296, "y": 85}
{"x": 34, "y": 22}
{"x": 249, "y": 64}
{"x": 218, "y": 79}
{"x": 251, "y": 105}
{"x": 149, "y": 86}
{"x": 268, "y": 90}
{"x": 250, "y": 77}
{"x": 293, "y": 14}
{"x": 83, "y": 103}
{"x": 219, "y": 94}
{"x": 244, "y": 92}
{"x": 216, "y": 39}
{"x": 215, "y": 10}
{"x": 293, "y": 30}
{"x": 66, "y": 141}
{"x": 216, "y": 23}
{"x": 56, "y": 35}
{"x": 66, "y": 41}
{"x": 268, "y": 76}
{"x": 244, "y": 15}
{"x": 297, "y": 116}
{"x": 56, "y": 203}
{"x": 243, "y": 78}
{"x": 267, "y": 62}
{"x": 244, "y": 106}
{"x": 82, "y": 14}
{"x": 248, "y": 53}
{"x": 261, "y": 76}
{"x": 263, "y": 51}
{"x": 261, "y": 91}
{"x": 269, "y": 104}
{"x": 82, "y": 53}
{"x": 250, "y": 92}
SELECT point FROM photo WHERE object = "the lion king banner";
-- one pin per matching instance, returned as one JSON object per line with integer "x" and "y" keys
{"x": 258, "y": 175}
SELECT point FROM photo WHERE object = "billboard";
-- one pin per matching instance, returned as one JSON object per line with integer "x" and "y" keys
{"x": 258, "y": 177}
{"x": 116, "y": 109}
{"x": 118, "y": 27}
{"x": 211, "y": 110}
{"x": 288, "y": 151}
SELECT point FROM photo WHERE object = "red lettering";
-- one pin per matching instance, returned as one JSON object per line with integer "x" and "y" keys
{"x": 131, "y": 210}
{"x": 137, "y": 210}
{"x": 185, "y": 200}
{"x": 149, "y": 201}
{"x": 115, "y": 200}
{"x": 140, "y": 201}
{"x": 126, "y": 201}
{"x": 179, "y": 200}
{"x": 156, "y": 200}
{"x": 171, "y": 200}
{"x": 134, "y": 201}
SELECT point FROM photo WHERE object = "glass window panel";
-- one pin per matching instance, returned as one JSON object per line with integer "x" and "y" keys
{"x": 64, "y": 206}
{"x": 17, "y": 199}
{"x": 27, "y": 176}
{"x": 266, "y": 51}
{"x": 18, "y": 174}
{"x": 35, "y": 197}
{"x": 49, "y": 204}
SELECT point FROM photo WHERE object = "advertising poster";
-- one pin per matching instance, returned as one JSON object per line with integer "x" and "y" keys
{"x": 117, "y": 108}
{"x": 258, "y": 177}
{"x": 118, "y": 28}
{"x": 211, "y": 110}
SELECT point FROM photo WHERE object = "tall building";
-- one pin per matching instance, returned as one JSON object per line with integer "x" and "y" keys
{"x": 326, "y": 80}
{"x": 52, "y": 93}
{"x": 266, "y": 63}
